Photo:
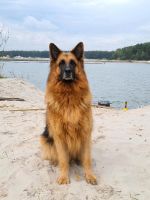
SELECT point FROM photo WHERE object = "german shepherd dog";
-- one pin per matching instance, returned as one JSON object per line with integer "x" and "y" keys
{"x": 67, "y": 134}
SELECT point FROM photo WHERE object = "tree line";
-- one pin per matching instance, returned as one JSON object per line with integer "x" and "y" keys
{"x": 45, "y": 54}
{"x": 136, "y": 52}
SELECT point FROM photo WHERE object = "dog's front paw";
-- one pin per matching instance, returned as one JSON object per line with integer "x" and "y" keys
{"x": 63, "y": 180}
{"x": 90, "y": 178}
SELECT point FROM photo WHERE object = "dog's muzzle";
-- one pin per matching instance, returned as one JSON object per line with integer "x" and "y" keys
{"x": 68, "y": 74}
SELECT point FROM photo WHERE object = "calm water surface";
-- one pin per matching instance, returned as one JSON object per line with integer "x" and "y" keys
{"x": 115, "y": 82}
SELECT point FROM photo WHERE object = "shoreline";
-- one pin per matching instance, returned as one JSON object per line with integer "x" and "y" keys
{"x": 94, "y": 103}
{"x": 87, "y": 61}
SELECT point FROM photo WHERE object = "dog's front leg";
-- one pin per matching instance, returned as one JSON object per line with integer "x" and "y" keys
{"x": 86, "y": 162}
{"x": 63, "y": 159}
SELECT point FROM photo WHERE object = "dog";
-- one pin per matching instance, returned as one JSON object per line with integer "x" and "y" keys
{"x": 67, "y": 135}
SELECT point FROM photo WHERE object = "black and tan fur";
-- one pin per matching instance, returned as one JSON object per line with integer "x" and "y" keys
{"x": 68, "y": 129}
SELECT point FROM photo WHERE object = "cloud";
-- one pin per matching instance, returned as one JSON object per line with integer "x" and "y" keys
{"x": 38, "y": 25}
{"x": 145, "y": 28}
{"x": 118, "y": 1}
{"x": 101, "y": 24}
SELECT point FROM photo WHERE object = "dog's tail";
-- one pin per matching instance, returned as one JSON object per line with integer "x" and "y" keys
{"x": 48, "y": 146}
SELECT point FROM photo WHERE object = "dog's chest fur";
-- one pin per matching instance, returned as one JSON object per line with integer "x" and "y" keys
{"x": 69, "y": 109}
{"x": 69, "y": 117}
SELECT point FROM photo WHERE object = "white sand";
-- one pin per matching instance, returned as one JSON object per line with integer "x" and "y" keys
{"x": 121, "y": 152}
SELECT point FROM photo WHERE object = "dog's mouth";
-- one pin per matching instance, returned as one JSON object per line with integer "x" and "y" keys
{"x": 68, "y": 76}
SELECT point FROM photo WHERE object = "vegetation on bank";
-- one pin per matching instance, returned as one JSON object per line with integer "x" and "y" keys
{"x": 45, "y": 54}
{"x": 136, "y": 52}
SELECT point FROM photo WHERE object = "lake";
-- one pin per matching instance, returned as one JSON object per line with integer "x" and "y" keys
{"x": 115, "y": 82}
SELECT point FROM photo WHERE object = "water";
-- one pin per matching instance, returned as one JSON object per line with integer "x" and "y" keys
{"x": 115, "y": 82}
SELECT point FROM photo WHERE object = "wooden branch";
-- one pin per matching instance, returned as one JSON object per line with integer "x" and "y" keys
{"x": 28, "y": 109}
{"x": 10, "y": 99}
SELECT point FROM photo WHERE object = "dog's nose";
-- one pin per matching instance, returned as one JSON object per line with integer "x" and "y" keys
{"x": 68, "y": 70}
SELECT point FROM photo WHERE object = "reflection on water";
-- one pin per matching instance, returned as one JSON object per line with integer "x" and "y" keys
{"x": 115, "y": 82}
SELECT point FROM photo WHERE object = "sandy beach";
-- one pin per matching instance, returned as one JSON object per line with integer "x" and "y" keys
{"x": 120, "y": 152}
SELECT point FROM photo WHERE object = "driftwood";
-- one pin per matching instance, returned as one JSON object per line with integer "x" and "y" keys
{"x": 10, "y": 99}
{"x": 28, "y": 109}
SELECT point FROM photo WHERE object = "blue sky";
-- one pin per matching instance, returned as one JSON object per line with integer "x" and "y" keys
{"x": 100, "y": 24}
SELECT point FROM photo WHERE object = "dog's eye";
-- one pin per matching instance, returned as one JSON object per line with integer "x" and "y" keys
{"x": 72, "y": 62}
{"x": 62, "y": 62}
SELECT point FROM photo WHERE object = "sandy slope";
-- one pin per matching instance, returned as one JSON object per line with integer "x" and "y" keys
{"x": 121, "y": 152}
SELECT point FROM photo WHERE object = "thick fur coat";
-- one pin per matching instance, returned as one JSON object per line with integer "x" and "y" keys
{"x": 67, "y": 135}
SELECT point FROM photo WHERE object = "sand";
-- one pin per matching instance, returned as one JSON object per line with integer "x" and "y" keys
{"x": 120, "y": 152}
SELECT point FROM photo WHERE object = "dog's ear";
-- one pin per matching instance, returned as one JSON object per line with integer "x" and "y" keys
{"x": 78, "y": 50}
{"x": 54, "y": 51}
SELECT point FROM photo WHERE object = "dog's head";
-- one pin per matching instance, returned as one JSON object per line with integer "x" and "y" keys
{"x": 66, "y": 64}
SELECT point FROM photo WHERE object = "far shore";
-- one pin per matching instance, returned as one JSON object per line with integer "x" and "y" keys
{"x": 87, "y": 61}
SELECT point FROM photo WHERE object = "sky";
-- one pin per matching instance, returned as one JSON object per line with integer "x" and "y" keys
{"x": 100, "y": 24}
